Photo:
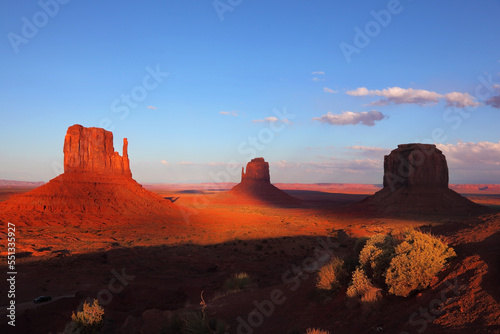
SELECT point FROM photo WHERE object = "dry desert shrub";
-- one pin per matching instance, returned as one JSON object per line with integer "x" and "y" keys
{"x": 237, "y": 282}
{"x": 362, "y": 289}
{"x": 376, "y": 256}
{"x": 416, "y": 261}
{"x": 316, "y": 331}
{"x": 333, "y": 275}
{"x": 88, "y": 321}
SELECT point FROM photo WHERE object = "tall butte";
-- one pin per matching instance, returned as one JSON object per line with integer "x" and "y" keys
{"x": 96, "y": 186}
{"x": 91, "y": 150}
{"x": 416, "y": 182}
{"x": 256, "y": 184}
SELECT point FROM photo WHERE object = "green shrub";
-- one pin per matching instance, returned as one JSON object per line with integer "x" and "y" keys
{"x": 416, "y": 261}
{"x": 333, "y": 275}
{"x": 237, "y": 282}
{"x": 89, "y": 320}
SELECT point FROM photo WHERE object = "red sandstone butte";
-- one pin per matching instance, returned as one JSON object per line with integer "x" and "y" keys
{"x": 416, "y": 182}
{"x": 256, "y": 184}
{"x": 91, "y": 150}
{"x": 96, "y": 186}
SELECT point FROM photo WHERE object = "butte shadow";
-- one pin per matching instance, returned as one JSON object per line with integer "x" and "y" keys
{"x": 96, "y": 186}
{"x": 416, "y": 183}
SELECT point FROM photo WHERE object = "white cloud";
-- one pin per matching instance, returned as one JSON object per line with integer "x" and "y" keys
{"x": 460, "y": 100}
{"x": 318, "y": 73}
{"x": 152, "y": 107}
{"x": 348, "y": 117}
{"x": 165, "y": 162}
{"x": 315, "y": 79}
{"x": 231, "y": 113}
{"x": 472, "y": 156}
{"x": 329, "y": 90}
{"x": 398, "y": 95}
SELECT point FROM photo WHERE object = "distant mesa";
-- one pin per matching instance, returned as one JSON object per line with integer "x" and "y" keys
{"x": 96, "y": 182}
{"x": 416, "y": 182}
{"x": 256, "y": 183}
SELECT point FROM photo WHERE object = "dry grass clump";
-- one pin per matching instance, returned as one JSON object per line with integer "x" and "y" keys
{"x": 333, "y": 275}
{"x": 316, "y": 331}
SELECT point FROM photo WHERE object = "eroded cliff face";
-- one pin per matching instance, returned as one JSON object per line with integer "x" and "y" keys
{"x": 91, "y": 150}
{"x": 415, "y": 165}
{"x": 257, "y": 171}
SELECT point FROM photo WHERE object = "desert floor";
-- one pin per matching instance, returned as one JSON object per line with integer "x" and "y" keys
{"x": 163, "y": 266}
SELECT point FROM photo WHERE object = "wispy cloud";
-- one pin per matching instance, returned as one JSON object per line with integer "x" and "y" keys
{"x": 152, "y": 107}
{"x": 231, "y": 113}
{"x": 370, "y": 151}
{"x": 318, "y": 73}
{"x": 329, "y": 90}
{"x": 495, "y": 100}
{"x": 186, "y": 163}
{"x": 272, "y": 119}
{"x": 460, "y": 100}
{"x": 367, "y": 118}
{"x": 165, "y": 162}
{"x": 316, "y": 79}
{"x": 398, "y": 95}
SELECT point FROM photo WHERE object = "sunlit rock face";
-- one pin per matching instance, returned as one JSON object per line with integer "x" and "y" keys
{"x": 91, "y": 150}
{"x": 257, "y": 171}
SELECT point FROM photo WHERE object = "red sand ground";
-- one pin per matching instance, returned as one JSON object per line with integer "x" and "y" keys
{"x": 214, "y": 235}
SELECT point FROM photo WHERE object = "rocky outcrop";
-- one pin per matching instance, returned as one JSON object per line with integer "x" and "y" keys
{"x": 91, "y": 150}
{"x": 415, "y": 165}
{"x": 415, "y": 183}
{"x": 257, "y": 171}
{"x": 256, "y": 185}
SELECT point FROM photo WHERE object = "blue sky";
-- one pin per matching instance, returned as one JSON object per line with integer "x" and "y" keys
{"x": 322, "y": 90}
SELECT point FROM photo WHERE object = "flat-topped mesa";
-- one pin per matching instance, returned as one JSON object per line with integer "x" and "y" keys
{"x": 415, "y": 165}
{"x": 91, "y": 150}
{"x": 257, "y": 171}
